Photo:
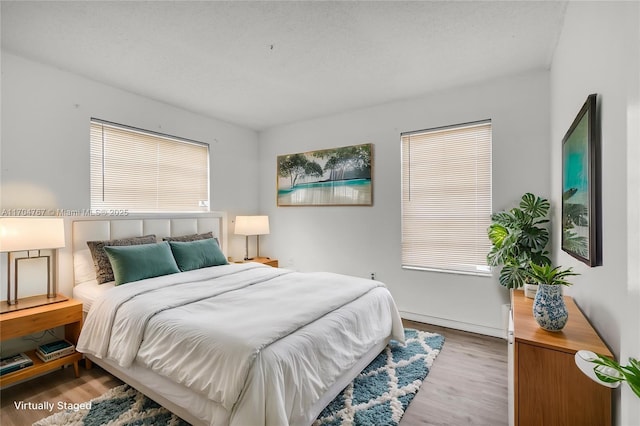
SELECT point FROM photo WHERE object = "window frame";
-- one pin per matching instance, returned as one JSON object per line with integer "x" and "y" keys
{"x": 482, "y": 270}
{"x": 97, "y": 155}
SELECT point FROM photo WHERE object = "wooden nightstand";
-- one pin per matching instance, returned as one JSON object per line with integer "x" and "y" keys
{"x": 31, "y": 320}
{"x": 264, "y": 260}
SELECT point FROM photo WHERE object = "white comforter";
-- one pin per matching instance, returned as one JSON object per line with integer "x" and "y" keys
{"x": 245, "y": 336}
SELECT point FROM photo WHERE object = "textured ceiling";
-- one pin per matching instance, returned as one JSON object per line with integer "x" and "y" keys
{"x": 260, "y": 64}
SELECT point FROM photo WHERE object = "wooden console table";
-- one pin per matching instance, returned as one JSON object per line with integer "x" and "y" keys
{"x": 549, "y": 389}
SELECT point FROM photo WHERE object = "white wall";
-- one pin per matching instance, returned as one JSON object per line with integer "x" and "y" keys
{"x": 598, "y": 52}
{"x": 360, "y": 240}
{"x": 45, "y": 141}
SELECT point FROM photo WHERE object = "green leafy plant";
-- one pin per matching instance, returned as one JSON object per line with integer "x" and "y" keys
{"x": 546, "y": 274}
{"x": 519, "y": 238}
{"x": 629, "y": 373}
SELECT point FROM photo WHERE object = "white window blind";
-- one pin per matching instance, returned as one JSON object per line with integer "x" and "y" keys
{"x": 446, "y": 198}
{"x": 143, "y": 171}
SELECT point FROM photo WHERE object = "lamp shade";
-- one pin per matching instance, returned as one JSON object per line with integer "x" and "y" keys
{"x": 252, "y": 225}
{"x": 31, "y": 233}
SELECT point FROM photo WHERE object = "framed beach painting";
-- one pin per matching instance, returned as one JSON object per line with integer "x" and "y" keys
{"x": 328, "y": 177}
{"x": 581, "y": 223}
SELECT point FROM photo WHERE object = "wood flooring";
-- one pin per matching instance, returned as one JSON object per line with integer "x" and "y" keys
{"x": 59, "y": 386}
{"x": 467, "y": 385}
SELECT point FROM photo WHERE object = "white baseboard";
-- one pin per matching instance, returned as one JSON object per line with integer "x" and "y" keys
{"x": 458, "y": 325}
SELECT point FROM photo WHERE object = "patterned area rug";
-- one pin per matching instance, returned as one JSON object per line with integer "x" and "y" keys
{"x": 382, "y": 392}
{"x": 378, "y": 396}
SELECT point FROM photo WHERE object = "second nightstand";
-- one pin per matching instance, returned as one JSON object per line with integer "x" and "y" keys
{"x": 264, "y": 260}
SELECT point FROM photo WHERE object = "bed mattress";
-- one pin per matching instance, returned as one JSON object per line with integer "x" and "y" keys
{"x": 89, "y": 291}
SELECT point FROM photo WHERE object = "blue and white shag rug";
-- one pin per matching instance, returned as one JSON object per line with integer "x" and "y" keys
{"x": 379, "y": 396}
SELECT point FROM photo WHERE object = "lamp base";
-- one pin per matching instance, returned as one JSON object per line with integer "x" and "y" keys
{"x": 30, "y": 302}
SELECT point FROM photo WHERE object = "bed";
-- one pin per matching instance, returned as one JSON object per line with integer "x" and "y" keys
{"x": 237, "y": 344}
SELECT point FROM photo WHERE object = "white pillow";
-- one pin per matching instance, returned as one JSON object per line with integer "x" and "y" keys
{"x": 83, "y": 268}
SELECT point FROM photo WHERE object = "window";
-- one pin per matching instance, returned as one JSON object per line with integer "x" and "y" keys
{"x": 143, "y": 171}
{"x": 446, "y": 198}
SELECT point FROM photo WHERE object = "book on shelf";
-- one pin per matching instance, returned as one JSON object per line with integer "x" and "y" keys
{"x": 15, "y": 359}
{"x": 54, "y": 350}
{"x": 50, "y": 347}
{"x": 14, "y": 362}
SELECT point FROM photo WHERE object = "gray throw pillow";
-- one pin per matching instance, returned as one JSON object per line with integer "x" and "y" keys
{"x": 104, "y": 272}
{"x": 191, "y": 237}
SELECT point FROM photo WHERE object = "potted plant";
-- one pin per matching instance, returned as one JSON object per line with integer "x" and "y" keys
{"x": 518, "y": 238}
{"x": 608, "y": 370}
{"x": 549, "y": 308}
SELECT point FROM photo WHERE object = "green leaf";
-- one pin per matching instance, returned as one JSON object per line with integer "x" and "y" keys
{"x": 536, "y": 238}
{"x": 497, "y": 233}
{"x": 512, "y": 276}
{"x": 505, "y": 219}
{"x": 534, "y": 206}
{"x": 503, "y": 247}
{"x": 606, "y": 378}
{"x": 545, "y": 274}
{"x": 540, "y": 258}
{"x": 630, "y": 373}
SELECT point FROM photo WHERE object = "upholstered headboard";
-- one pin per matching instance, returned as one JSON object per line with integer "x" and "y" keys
{"x": 91, "y": 228}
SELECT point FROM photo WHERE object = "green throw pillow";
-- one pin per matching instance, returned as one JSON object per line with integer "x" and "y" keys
{"x": 135, "y": 263}
{"x": 197, "y": 254}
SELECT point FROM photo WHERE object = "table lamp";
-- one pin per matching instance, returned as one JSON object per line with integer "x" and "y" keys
{"x": 31, "y": 235}
{"x": 252, "y": 225}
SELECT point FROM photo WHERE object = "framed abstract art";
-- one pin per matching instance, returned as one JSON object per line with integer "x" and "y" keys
{"x": 581, "y": 187}
{"x": 328, "y": 177}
